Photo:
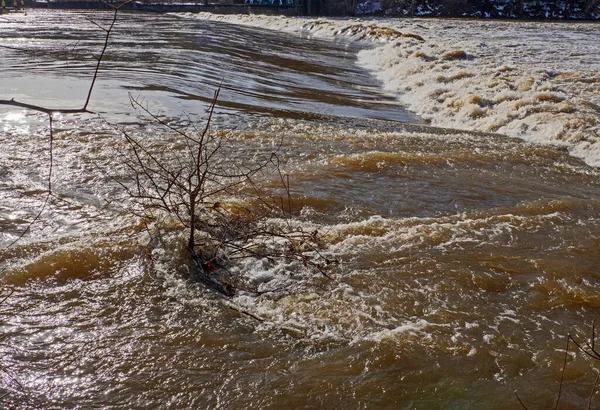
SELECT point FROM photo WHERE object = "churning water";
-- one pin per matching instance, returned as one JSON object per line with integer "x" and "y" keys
{"x": 466, "y": 257}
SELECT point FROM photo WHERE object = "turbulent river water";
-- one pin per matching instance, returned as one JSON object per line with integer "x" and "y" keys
{"x": 466, "y": 257}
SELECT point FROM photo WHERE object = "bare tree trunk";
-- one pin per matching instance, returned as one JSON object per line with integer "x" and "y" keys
{"x": 413, "y": 7}
{"x": 590, "y": 6}
{"x": 191, "y": 239}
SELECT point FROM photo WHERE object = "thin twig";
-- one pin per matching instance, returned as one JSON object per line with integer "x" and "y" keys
{"x": 518, "y": 398}
{"x": 593, "y": 333}
{"x": 7, "y": 296}
{"x": 244, "y": 312}
{"x": 593, "y": 391}
{"x": 562, "y": 374}
{"x": 104, "y": 47}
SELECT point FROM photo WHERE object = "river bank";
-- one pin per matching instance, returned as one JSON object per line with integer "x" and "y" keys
{"x": 490, "y": 9}
{"x": 160, "y": 7}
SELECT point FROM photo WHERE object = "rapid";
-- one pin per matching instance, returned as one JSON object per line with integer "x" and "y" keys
{"x": 459, "y": 193}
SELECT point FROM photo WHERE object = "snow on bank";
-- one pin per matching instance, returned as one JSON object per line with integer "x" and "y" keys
{"x": 536, "y": 81}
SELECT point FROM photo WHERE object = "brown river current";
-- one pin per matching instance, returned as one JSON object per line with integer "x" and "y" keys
{"x": 466, "y": 257}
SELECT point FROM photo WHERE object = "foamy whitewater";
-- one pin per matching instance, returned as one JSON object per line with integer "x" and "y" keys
{"x": 535, "y": 81}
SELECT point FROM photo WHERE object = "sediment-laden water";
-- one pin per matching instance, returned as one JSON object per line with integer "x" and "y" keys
{"x": 466, "y": 257}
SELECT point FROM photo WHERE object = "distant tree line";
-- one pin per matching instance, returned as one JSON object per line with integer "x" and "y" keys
{"x": 521, "y": 9}
{"x": 510, "y": 9}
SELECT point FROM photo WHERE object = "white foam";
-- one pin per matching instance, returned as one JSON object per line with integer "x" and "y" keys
{"x": 416, "y": 327}
{"x": 536, "y": 81}
{"x": 502, "y": 77}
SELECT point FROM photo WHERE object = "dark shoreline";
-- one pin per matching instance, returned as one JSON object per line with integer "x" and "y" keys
{"x": 292, "y": 10}
{"x": 300, "y": 8}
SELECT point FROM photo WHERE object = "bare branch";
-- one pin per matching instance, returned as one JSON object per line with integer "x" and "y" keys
{"x": 593, "y": 391}
{"x": 562, "y": 374}
{"x": 46, "y": 110}
{"x": 519, "y": 399}
{"x": 191, "y": 179}
{"x": 245, "y": 312}
{"x": 104, "y": 47}
{"x": 52, "y": 110}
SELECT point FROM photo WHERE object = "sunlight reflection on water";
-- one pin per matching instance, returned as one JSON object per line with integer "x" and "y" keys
{"x": 465, "y": 258}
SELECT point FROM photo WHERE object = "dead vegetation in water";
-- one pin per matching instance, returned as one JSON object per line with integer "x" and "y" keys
{"x": 190, "y": 184}
{"x": 216, "y": 196}
{"x": 587, "y": 347}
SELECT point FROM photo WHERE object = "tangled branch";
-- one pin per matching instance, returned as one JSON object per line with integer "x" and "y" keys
{"x": 589, "y": 349}
{"x": 194, "y": 181}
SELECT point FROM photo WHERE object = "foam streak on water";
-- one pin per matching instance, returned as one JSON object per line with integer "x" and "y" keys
{"x": 536, "y": 81}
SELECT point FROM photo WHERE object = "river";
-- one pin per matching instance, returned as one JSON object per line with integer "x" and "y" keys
{"x": 466, "y": 257}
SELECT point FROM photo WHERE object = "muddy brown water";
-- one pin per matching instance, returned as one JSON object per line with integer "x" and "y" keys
{"x": 466, "y": 258}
